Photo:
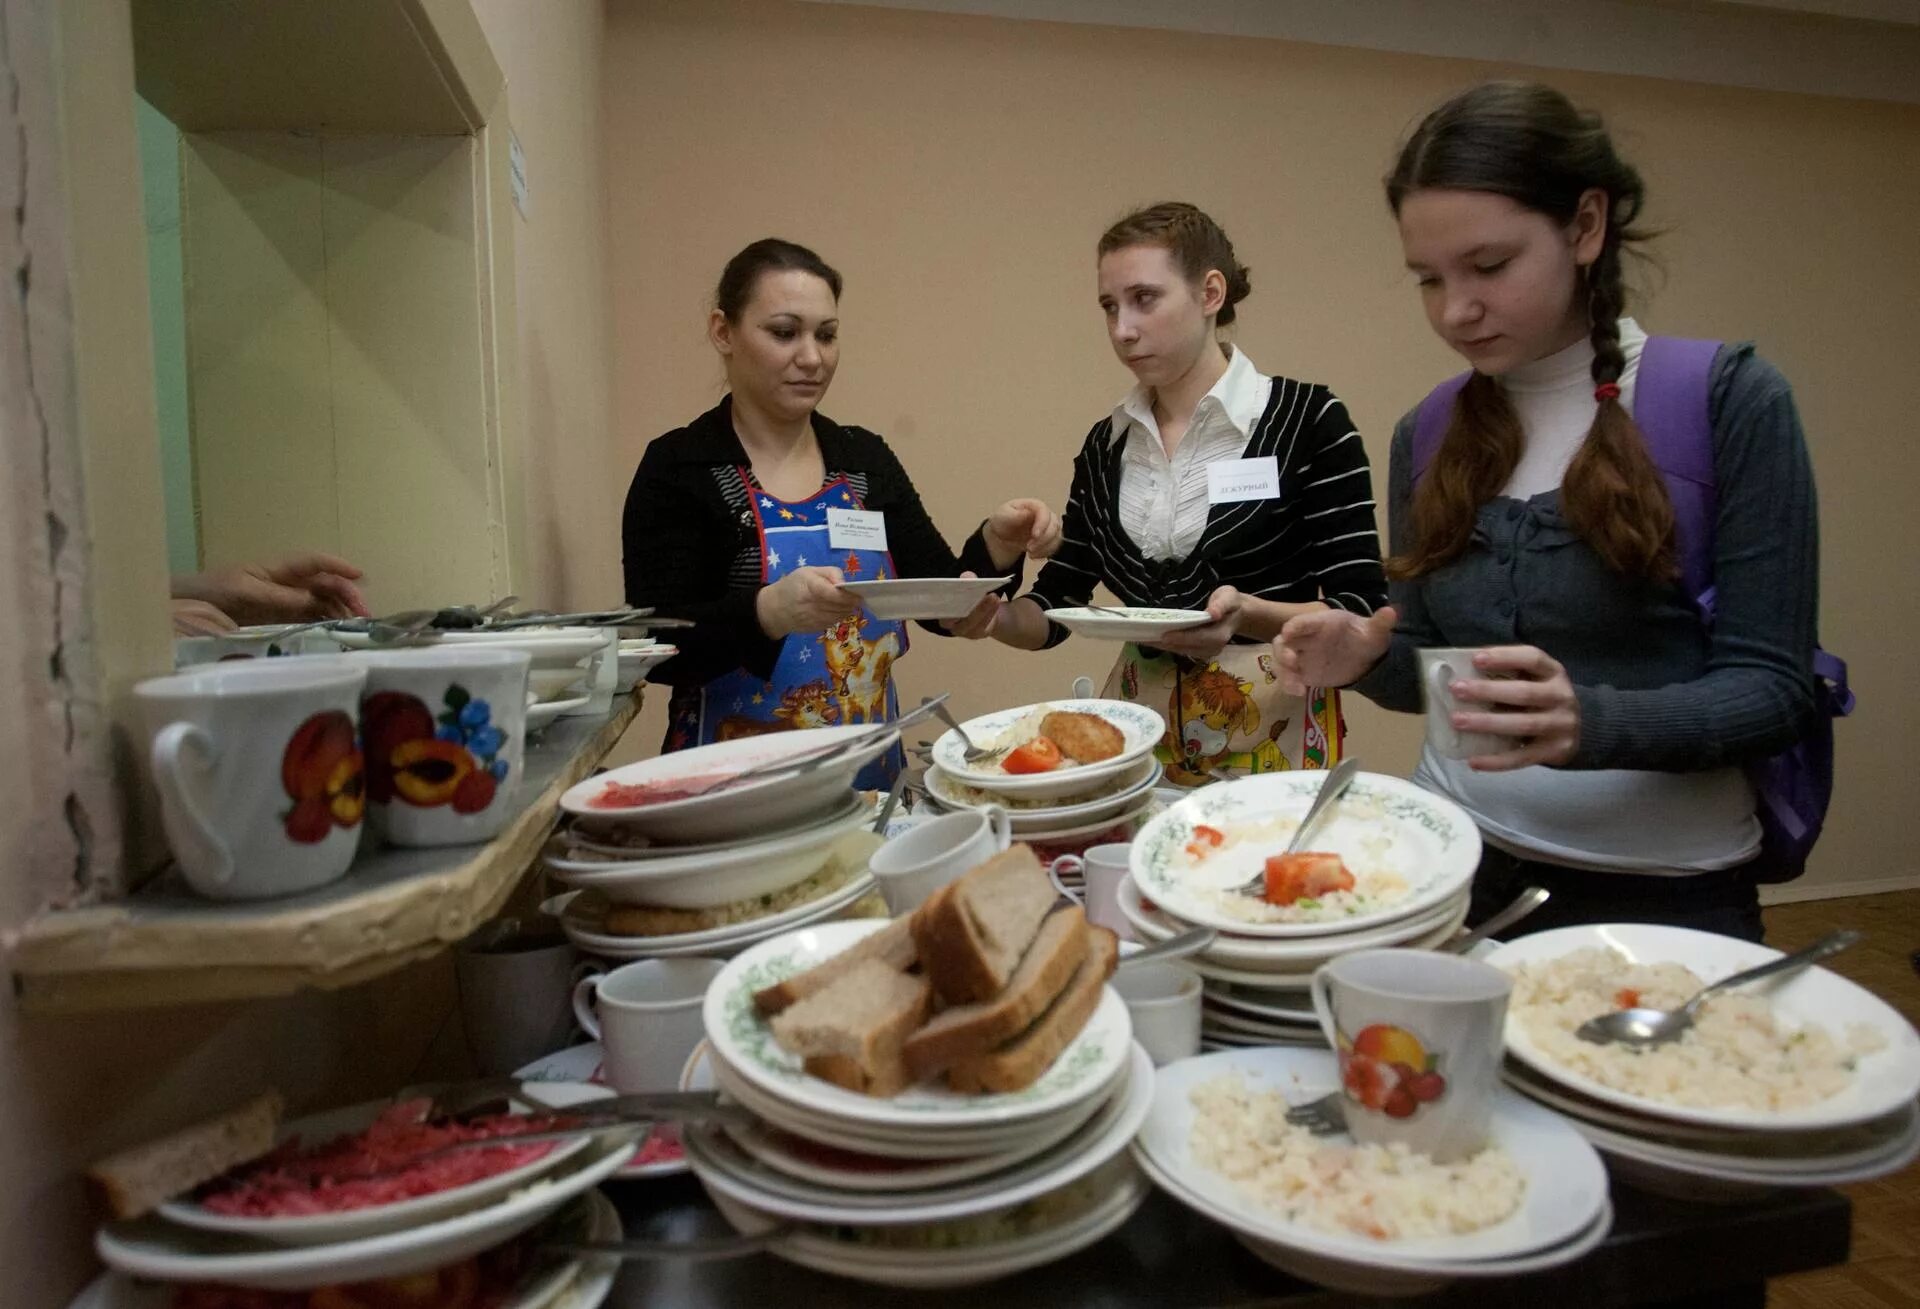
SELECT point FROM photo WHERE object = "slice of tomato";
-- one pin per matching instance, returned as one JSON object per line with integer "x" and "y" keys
{"x": 1211, "y": 835}
{"x": 1037, "y": 756}
{"x": 1294, "y": 877}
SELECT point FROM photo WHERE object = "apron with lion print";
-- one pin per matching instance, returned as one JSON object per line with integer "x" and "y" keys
{"x": 839, "y": 677}
{"x": 1228, "y": 717}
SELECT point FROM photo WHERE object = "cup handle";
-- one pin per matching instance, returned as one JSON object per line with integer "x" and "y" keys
{"x": 1083, "y": 687}
{"x": 1323, "y": 1006}
{"x": 583, "y": 1002}
{"x": 1439, "y": 697}
{"x": 1002, "y": 824}
{"x": 1073, "y": 861}
{"x": 171, "y": 765}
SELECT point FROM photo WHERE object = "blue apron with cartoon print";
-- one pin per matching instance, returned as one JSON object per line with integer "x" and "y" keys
{"x": 836, "y": 678}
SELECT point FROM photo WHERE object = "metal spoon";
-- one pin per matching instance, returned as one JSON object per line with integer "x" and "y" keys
{"x": 1523, "y": 904}
{"x": 972, "y": 753}
{"x": 1331, "y": 789}
{"x": 1651, "y": 1027}
{"x": 1174, "y": 947}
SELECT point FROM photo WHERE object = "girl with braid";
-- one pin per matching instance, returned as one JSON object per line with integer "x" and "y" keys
{"x": 1536, "y": 526}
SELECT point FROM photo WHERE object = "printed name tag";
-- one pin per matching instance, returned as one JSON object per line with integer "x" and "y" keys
{"x": 856, "y": 529}
{"x": 1230, "y": 481}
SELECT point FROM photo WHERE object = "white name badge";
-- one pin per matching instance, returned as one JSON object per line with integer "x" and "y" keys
{"x": 856, "y": 529}
{"x": 1230, "y": 481}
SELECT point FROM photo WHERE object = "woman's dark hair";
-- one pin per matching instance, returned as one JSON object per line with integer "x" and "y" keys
{"x": 1529, "y": 143}
{"x": 1196, "y": 242}
{"x": 767, "y": 255}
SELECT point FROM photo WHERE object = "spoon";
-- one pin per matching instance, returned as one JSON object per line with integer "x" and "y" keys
{"x": 1523, "y": 904}
{"x": 1651, "y": 1027}
{"x": 1174, "y": 947}
{"x": 1331, "y": 789}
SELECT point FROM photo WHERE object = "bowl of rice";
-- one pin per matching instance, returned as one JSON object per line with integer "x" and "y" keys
{"x": 1812, "y": 1050}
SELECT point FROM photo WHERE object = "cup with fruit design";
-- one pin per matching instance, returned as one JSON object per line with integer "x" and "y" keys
{"x": 445, "y": 735}
{"x": 260, "y": 773}
{"x": 1419, "y": 1038}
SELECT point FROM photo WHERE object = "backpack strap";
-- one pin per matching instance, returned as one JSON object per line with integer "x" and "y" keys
{"x": 1671, "y": 394}
{"x": 1430, "y": 423}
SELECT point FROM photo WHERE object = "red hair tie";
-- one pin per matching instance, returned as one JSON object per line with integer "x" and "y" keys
{"x": 1607, "y": 391}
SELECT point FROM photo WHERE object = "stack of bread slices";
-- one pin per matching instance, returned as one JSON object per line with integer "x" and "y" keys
{"x": 985, "y": 985}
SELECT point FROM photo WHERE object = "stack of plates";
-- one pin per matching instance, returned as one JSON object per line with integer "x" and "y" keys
{"x": 1256, "y": 973}
{"x": 1563, "y": 1213}
{"x": 1065, "y": 810}
{"x": 1032, "y": 1175}
{"x": 1869, "y": 1129}
{"x": 183, "y": 1241}
{"x": 724, "y": 870}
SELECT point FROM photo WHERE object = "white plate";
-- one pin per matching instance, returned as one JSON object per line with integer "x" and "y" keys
{"x": 541, "y": 714}
{"x": 586, "y": 835}
{"x": 634, "y": 663}
{"x": 574, "y": 1284}
{"x": 552, "y": 647}
{"x": 152, "y": 1247}
{"x": 743, "y": 1041}
{"x": 1118, "y": 794}
{"x": 963, "y": 1266}
{"x": 702, "y": 881}
{"x": 1297, "y": 955}
{"x": 762, "y": 805}
{"x": 1566, "y": 1182}
{"x": 734, "y": 937}
{"x": 774, "y": 1147}
{"x": 1023, "y": 1138}
{"x": 1899, "y": 1151}
{"x": 1141, "y": 727}
{"x": 316, "y": 1229}
{"x": 924, "y": 597}
{"x": 724, "y": 1166}
{"x": 1430, "y": 843}
{"x": 582, "y": 1063}
{"x": 1882, "y": 1081}
{"x": 1291, "y": 1008}
{"x": 1128, "y": 622}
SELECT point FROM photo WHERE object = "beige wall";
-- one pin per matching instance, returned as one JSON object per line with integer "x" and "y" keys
{"x": 959, "y": 169}
{"x": 551, "y": 55}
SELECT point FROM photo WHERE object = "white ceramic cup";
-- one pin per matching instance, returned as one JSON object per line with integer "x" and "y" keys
{"x": 444, "y": 728}
{"x": 1100, "y": 870}
{"x": 260, "y": 773}
{"x": 516, "y": 983}
{"x": 1420, "y": 1037}
{"x": 1440, "y": 668}
{"x": 1163, "y": 1000}
{"x": 646, "y": 1016}
{"x": 921, "y": 860}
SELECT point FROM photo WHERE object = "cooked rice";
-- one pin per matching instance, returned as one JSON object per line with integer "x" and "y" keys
{"x": 1387, "y": 1193}
{"x": 1739, "y": 1053}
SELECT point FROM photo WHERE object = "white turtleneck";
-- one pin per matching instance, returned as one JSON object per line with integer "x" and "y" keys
{"x": 1553, "y": 398}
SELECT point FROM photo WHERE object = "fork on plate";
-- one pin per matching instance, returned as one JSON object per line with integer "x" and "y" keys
{"x": 1325, "y": 1116}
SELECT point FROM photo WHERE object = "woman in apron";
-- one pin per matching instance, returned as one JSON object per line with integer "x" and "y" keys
{"x": 1211, "y": 486}
{"x": 748, "y": 520}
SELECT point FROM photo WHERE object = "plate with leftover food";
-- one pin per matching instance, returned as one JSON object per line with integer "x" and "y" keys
{"x": 1056, "y": 748}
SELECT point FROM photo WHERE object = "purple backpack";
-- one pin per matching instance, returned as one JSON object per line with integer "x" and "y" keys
{"x": 1671, "y": 403}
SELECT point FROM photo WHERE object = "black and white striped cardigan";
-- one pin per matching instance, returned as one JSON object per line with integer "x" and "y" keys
{"x": 1315, "y": 541}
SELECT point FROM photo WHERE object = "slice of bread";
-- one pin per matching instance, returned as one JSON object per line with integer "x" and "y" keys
{"x": 1020, "y": 1062}
{"x": 973, "y": 1029}
{"x": 132, "y": 1182}
{"x": 852, "y": 1030}
{"x": 892, "y": 945}
{"x": 972, "y": 933}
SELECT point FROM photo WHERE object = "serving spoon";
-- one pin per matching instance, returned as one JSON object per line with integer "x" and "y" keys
{"x": 1645, "y": 1028}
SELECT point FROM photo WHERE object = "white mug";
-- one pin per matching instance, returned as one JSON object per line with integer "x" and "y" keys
{"x": 516, "y": 983}
{"x": 445, "y": 732}
{"x": 1440, "y": 668}
{"x": 1163, "y": 999}
{"x": 1100, "y": 870}
{"x": 1419, "y": 1036}
{"x": 646, "y": 1016}
{"x": 260, "y": 773}
{"x": 921, "y": 860}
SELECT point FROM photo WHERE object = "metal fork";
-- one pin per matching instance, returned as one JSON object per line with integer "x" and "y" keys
{"x": 1323, "y": 1117}
{"x": 973, "y": 753}
{"x": 1331, "y": 789}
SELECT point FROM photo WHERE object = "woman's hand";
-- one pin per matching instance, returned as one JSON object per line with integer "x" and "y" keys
{"x": 198, "y": 618}
{"x": 305, "y": 588}
{"x": 1021, "y": 527}
{"x": 805, "y": 600}
{"x": 1330, "y": 648}
{"x": 979, "y": 622}
{"x": 1206, "y": 642}
{"x": 1536, "y": 703}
